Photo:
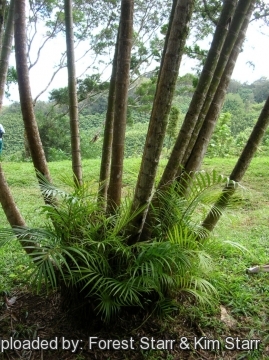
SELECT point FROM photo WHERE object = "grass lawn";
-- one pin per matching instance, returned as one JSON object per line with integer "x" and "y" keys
{"x": 242, "y": 307}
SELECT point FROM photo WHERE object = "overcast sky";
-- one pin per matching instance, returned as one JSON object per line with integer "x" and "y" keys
{"x": 256, "y": 51}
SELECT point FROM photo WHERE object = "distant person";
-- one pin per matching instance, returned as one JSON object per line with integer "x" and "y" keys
{"x": 2, "y": 131}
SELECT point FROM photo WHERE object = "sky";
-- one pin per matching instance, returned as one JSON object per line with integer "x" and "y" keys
{"x": 256, "y": 52}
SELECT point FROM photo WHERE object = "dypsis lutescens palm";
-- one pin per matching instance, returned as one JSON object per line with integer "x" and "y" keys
{"x": 83, "y": 250}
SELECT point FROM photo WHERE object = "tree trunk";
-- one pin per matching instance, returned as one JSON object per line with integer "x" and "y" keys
{"x": 240, "y": 168}
{"x": 6, "y": 49}
{"x": 198, "y": 152}
{"x": 27, "y": 109}
{"x": 12, "y": 213}
{"x": 108, "y": 132}
{"x": 243, "y": 10}
{"x": 161, "y": 106}
{"x": 121, "y": 99}
{"x": 2, "y": 18}
{"x": 72, "y": 90}
{"x": 172, "y": 13}
{"x": 207, "y": 84}
{"x": 9, "y": 206}
{"x": 6, "y": 199}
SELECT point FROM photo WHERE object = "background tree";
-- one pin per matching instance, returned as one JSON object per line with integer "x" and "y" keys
{"x": 173, "y": 125}
{"x": 222, "y": 140}
{"x": 235, "y": 106}
{"x": 260, "y": 89}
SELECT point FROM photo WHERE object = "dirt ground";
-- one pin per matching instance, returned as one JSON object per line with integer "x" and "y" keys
{"x": 35, "y": 327}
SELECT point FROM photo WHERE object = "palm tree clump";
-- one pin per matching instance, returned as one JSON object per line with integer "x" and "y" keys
{"x": 86, "y": 253}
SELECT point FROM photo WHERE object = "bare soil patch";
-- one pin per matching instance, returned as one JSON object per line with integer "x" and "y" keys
{"x": 28, "y": 316}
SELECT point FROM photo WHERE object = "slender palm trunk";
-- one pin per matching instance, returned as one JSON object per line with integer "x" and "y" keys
{"x": 7, "y": 201}
{"x": 36, "y": 149}
{"x": 121, "y": 98}
{"x": 2, "y": 17}
{"x": 72, "y": 90}
{"x": 9, "y": 206}
{"x": 237, "y": 28}
{"x": 207, "y": 84}
{"x": 12, "y": 213}
{"x": 172, "y": 13}
{"x": 108, "y": 133}
{"x": 161, "y": 107}
{"x": 7, "y": 40}
{"x": 199, "y": 149}
{"x": 240, "y": 168}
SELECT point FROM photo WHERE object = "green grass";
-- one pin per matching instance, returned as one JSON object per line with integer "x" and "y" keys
{"x": 245, "y": 222}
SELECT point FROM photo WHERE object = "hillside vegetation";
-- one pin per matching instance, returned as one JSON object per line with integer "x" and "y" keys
{"x": 240, "y": 112}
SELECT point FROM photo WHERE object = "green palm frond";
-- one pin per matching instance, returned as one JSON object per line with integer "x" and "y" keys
{"x": 126, "y": 291}
{"x": 165, "y": 308}
{"x": 6, "y": 235}
{"x": 50, "y": 258}
{"x": 168, "y": 208}
{"x": 124, "y": 216}
{"x": 107, "y": 306}
{"x": 200, "y": 288}
{"x": 199, "y": 182}
{"x": 48, "y": 189}
{"x": 174, "y": 205}
{"x": 205, "y": 262}
{"x": 158, "y": 264}
{"x": 204, "y": 190}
